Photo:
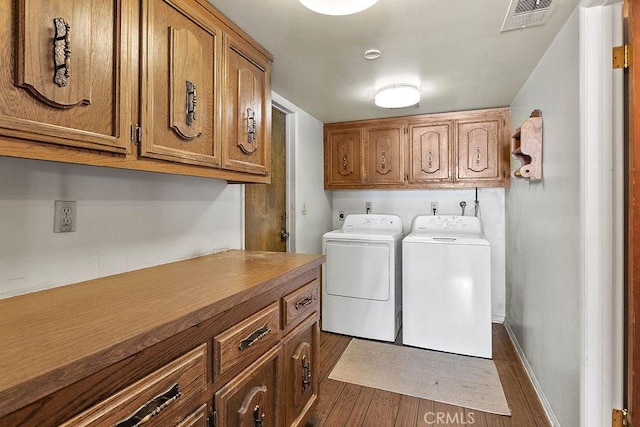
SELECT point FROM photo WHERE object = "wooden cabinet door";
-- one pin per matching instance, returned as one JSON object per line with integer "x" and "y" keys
{"x": 301, "y": 348}
{"x": 247, "y": 108}
{"x": 343, "y": 157}
{"x": 252, "y": 396}
{"x": 479, "y": 149}
{"x": 66, "y": 77}
{"x": 429, "y": 153}
{"x": 180, "y": 97}
{"x": 384, "y": 150}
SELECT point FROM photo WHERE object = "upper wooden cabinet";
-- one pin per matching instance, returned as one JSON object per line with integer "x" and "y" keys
{"x": 479, "y": 149}
{"x": 449, "y": 150}
{"x": 429, "y": 159}
{"x": 384, "y": 151}
{"x": 62, "y": 79}
{"x": 180, "y": 91}
{"x": 247, "y": 108}
{"x": 343, "y": 156}
{"x": 159, "y": 85}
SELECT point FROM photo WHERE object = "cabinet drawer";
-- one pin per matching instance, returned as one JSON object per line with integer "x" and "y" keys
{"x": 165, "y": 397}
{"x": 247, "y": 340}
{"x": 300, "y": 303}
{"x": 197, "y": 419}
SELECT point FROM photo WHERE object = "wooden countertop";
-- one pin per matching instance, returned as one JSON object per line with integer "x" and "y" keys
{"x": 52, "y": 338}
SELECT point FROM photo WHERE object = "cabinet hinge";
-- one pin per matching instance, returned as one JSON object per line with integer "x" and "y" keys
{"x": 136, "y": 134}
{"x": 620, "y": 418}
{"x": 213, "y": 418}
{"x": 621, "y": 56}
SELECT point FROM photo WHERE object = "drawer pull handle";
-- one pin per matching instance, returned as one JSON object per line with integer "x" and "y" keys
{"x": 304, "y": 303}
{"x": 152, "y": 408}
{"x": 61, "y": 52}
{"x": 254, "y": 337}
{"x": 306, "y": 374}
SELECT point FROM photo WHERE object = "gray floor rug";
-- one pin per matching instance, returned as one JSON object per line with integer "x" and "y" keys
{"x": 469, "y": 382}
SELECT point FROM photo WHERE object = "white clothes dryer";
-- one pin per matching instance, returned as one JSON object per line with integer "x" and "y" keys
{"x": 361, "y": 280}
{"x": 446, "y": 269}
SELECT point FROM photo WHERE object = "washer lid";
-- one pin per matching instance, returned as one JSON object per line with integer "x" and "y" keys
{"x": 362, "y": 235}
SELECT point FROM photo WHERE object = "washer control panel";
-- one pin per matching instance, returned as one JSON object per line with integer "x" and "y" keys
{"x": 372, "y": 222}
{"x": 447, "y": 223}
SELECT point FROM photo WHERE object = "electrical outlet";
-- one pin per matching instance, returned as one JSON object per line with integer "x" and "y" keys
{"x": 340, "y": 215}
{"x": 64, "y": 216}
{"x": 367, "y": 206}
{"x": 434, "y": 207}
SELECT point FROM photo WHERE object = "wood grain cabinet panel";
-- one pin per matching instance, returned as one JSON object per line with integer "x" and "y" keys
{"x": 448, "y": 150}
{"x": 301, "y": 349}
{"x": 429, "y": 155}
{"x": 300, "y": 303}
{"x": 247, "y": 112}
{"x": 384, "y": 150}
{"x": 251, "y": 398}
{"x": 180, "y": 92}
{"x": 247, "y": 339}
{"x": 63, "y": 79}
{"x": 162, "y": 397}
{"x": 343, "y": 157}
{"x": 478, "y": 150}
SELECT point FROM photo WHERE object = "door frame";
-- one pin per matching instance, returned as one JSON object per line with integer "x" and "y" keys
{"x": 633, "y": 217}
{"x": 291, "y": 124}
{"x": 289, "y": 143}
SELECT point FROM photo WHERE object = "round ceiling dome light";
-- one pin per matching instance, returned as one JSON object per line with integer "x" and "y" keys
{"x": 397, "y": 96}
{"x": 338, "y": 7}
{"x": 372, "y": 54}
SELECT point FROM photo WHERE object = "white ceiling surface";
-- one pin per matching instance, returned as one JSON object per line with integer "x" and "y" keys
{"x": 452, "y": 50}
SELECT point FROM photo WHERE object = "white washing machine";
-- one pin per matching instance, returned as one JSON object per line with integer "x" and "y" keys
{"x": 446, "y": 270}
{"x": 361, "y": 285}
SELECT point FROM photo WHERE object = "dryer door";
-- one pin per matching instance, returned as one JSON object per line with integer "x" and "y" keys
{"x": 358, "y": 269}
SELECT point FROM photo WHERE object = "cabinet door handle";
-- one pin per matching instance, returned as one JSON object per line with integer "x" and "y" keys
{"x": 306, "y": 374}
{"x": 257, "y": 335}
{"x": 344, "y": 162}
{"x": 305, "y": 302}
{"x": 383, "y": 160}
{"x": 251, "y": 126}
{"x": 430, "y": 161}
{"x": 152, "y": 408}
{"x": 61, "y": 52}
{"x": 191, "y": 102}
{"x": 478, "y": 156}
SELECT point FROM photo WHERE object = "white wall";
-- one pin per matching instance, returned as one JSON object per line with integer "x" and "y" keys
{"x": 543, "y": 252}
{"x": 308, "y": 200}
{"x": 408, "y": 204}
{"x": 126, "y": 220}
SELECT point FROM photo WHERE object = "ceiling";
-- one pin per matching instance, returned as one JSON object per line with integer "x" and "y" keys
{"x": 453, "y": 50}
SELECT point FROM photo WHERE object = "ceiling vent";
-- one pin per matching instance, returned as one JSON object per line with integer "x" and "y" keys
{"x": 527, "y": 13}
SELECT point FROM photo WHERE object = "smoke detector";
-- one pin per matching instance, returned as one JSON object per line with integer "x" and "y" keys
{"x": 527, "y": 13}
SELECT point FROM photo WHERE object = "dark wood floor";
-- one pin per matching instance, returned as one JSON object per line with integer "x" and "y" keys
{"x": 342, "y": 404}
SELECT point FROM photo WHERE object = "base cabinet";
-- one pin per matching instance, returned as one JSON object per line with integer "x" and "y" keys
{"x": 251, "y": 398}
{"x": 300, "y": 357}
{"x": 252, "y": 362}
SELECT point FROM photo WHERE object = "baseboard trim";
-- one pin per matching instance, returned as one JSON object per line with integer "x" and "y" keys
{"x": 551, "y": 416}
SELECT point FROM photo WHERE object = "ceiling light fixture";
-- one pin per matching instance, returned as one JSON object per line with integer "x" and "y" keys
{"x": 397, "y": 96}
{"x": 338, "y": 7}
